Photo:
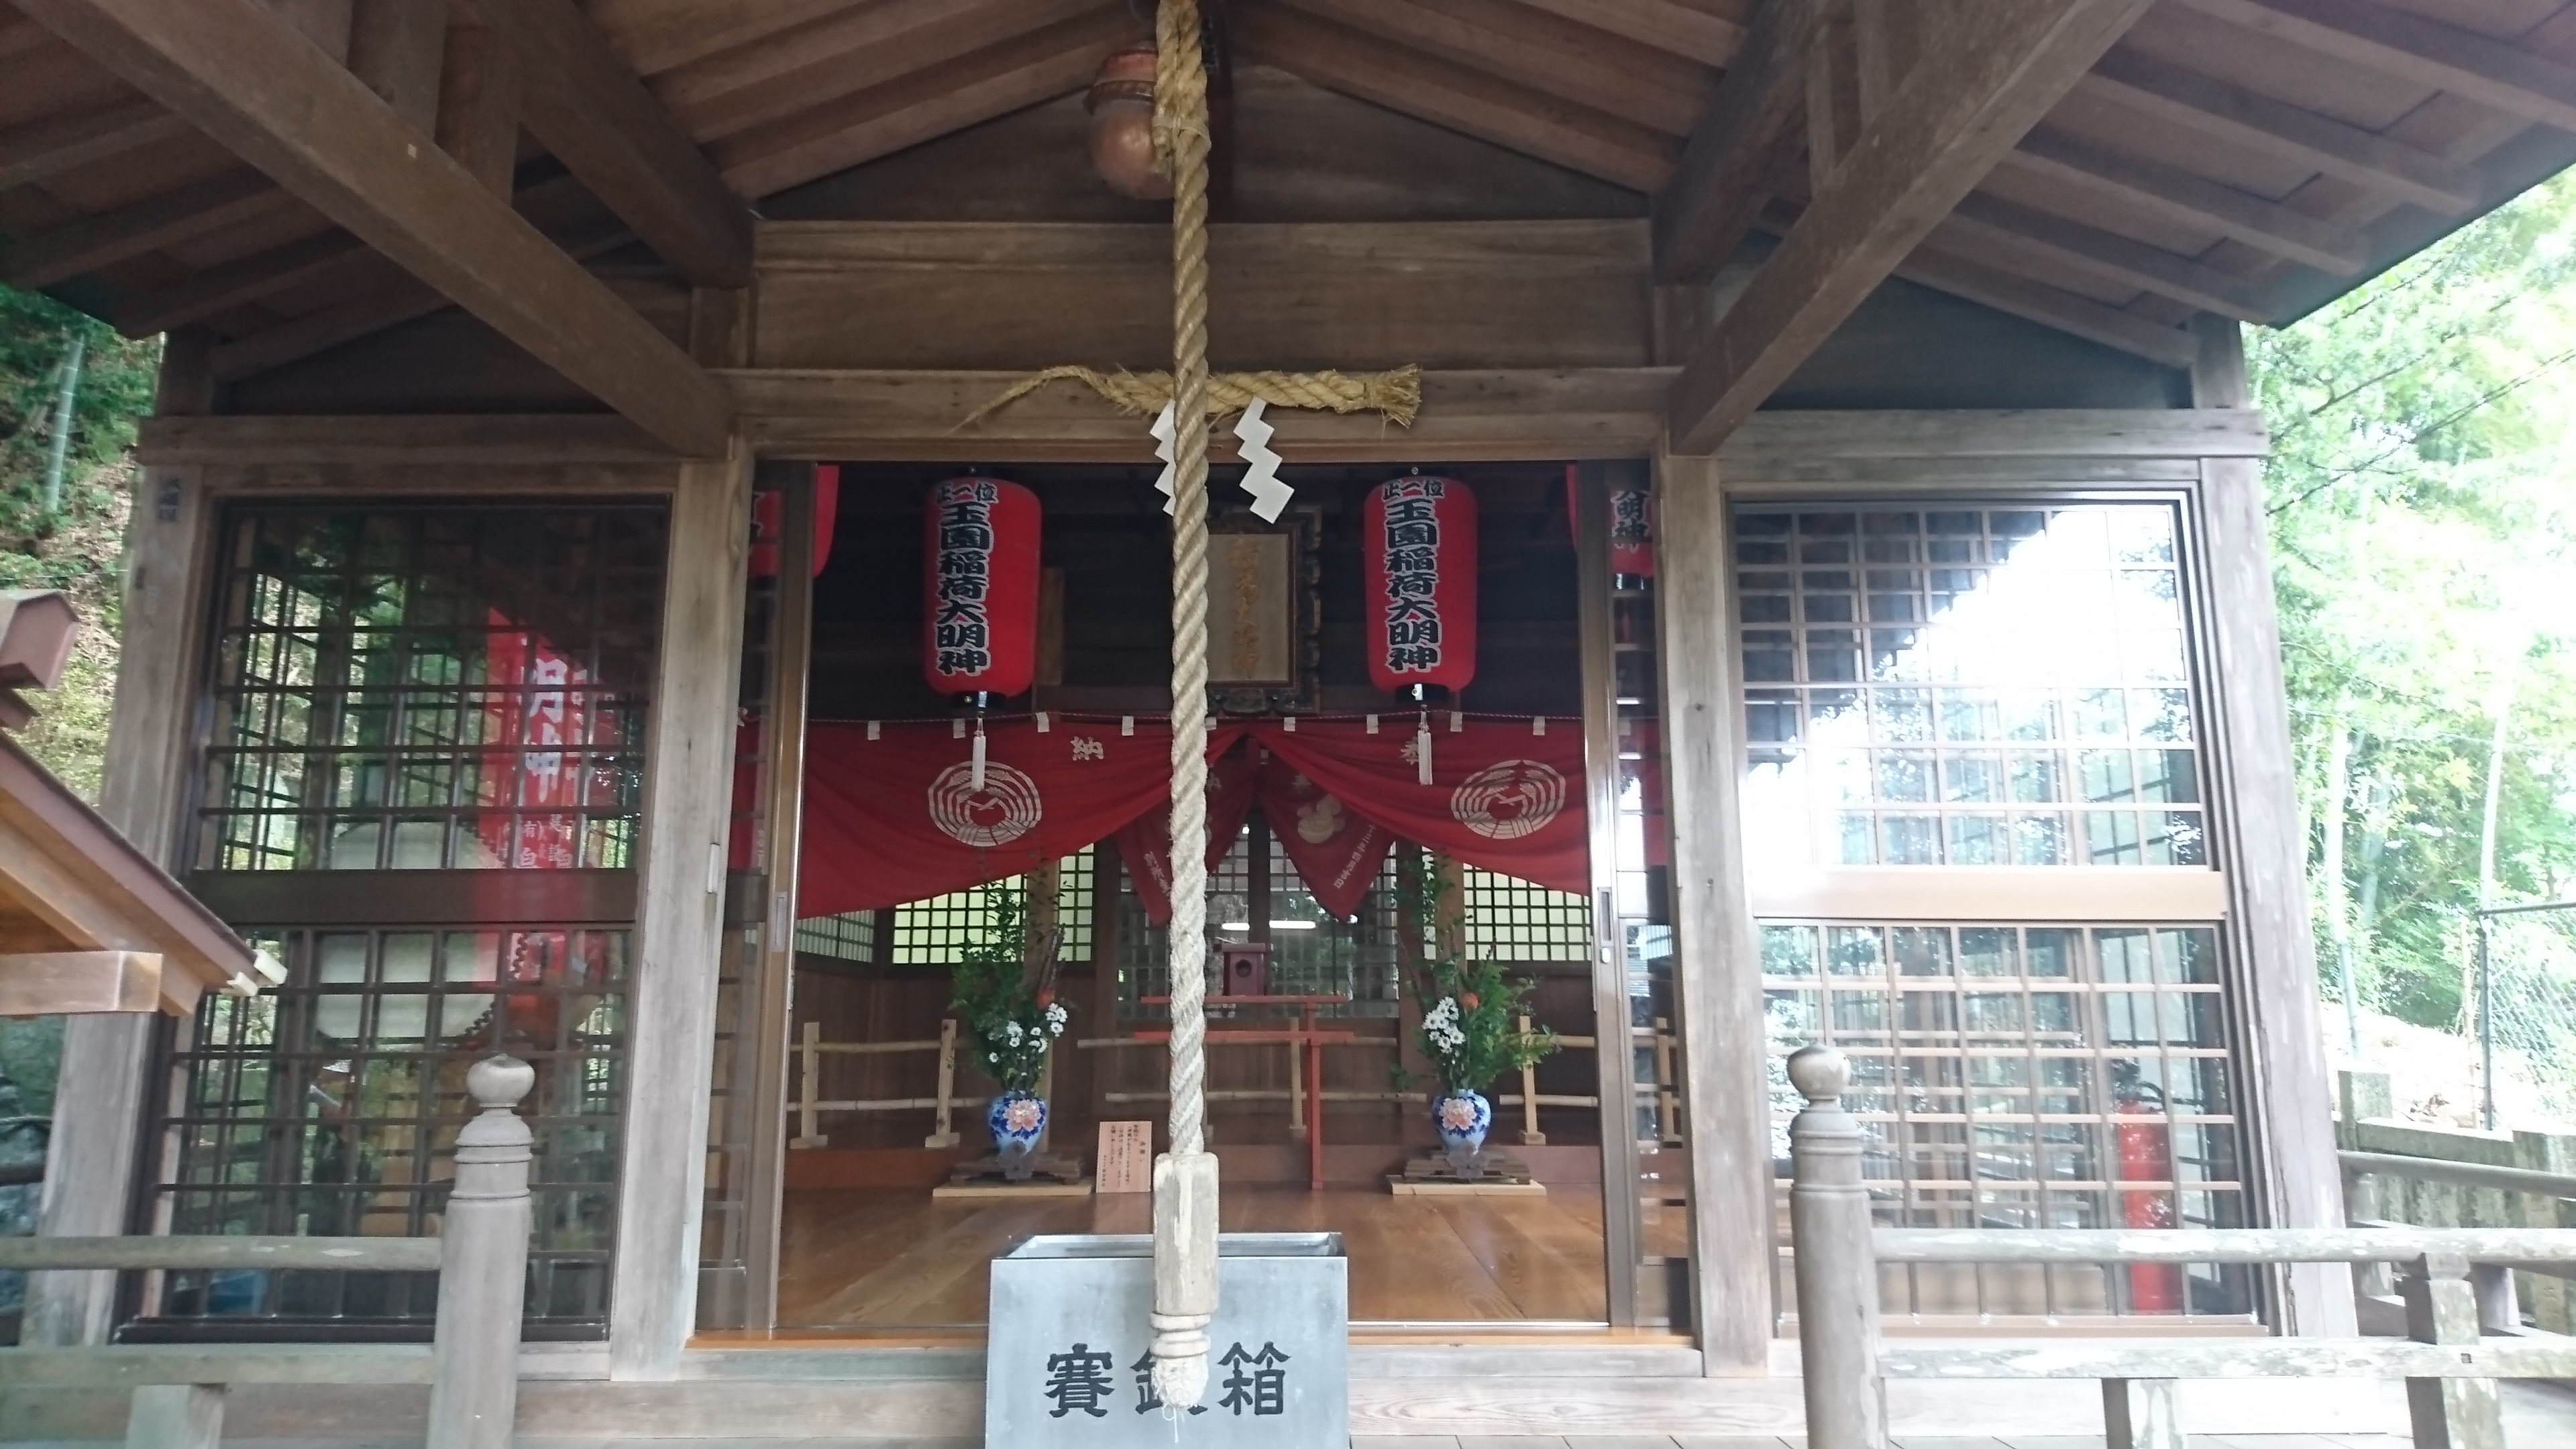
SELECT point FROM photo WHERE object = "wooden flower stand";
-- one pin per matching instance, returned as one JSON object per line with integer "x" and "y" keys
{"x": 1052, "y": 1176}
{"x": 1430, "y": 1175}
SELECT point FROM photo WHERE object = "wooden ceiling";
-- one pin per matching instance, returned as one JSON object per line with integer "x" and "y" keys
{"x": 2249, "y": 158}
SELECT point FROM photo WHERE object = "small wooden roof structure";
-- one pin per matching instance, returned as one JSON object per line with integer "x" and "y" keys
{"x": 262, "y": 168}
{"x": 87, "y": 923}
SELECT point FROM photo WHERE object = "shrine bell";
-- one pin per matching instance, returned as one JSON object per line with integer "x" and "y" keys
{"x": 1418, "y": 545}
{"x": 979, "y": 589}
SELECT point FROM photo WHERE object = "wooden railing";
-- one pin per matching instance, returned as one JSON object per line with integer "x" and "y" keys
{"x": 2449, "y": 1361}
{"x": 480, "y": 1256}
{"x": 810, "y": 1105}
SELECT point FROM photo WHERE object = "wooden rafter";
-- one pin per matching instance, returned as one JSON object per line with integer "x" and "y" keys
{"x": 1684, "y": 29}
{"x": 383, "y": 295}
{"x": 1571, "y": 61}
{"x": 245, "y": 77}
{"x": 2210, "y": 107}
{"x": 2178, "y": 195}
{"x": 2416, "y": 48}
{"x": 1020, "y": 71}
{"x": 145, "y": 226}
{"x": 1966, "y": 272}
{"x": 1741, "y": 148}
{"x": 1986, "y": 75}
{"x": 659, "y": 35}
{"x": 1461, "y": 98}
{"x": 2002, "y": 231}
{"x": 220, "y": 289}
{"x": 57, "y": 144}
{"x": 596, "y": 117}
{"x": 777, "y": 78}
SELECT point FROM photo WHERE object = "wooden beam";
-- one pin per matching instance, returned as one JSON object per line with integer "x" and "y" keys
{"x": 881, "y": 120}
{"x": 220, "y": 289}
{"x": 478, "y": 106}
{"x": 481, "y": 441}
{"x": 1459, "y": 97}
{"x": 2212, "y": 107}
{"x": 2004, "y": 230}
{"x": 657, "y": 35}
{"x": 60, "y": 983}
{"x": 594, "y": 114}
{"x": 1466, "y": 416}
{"x": 396, "y": 46}
{"x": 144, "y": 226}
{"x": 1951, "y": 265}
{"x": 2414, "y": 47}
{"x": 1684, "y": 29}
{"x": 247, "y": 79}
{"x": 1617, "y": 77}
{"x": 859, "y": 49}
{"x": 561, "y": 209}
{"x": 2196, "y": 201}
{"x": 55, "y": 144}
{"x": 1741, "y": 148}
{"x": 1987, "y": 74}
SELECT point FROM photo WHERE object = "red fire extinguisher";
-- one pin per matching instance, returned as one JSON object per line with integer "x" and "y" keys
{"x": 2145, "y": 1139}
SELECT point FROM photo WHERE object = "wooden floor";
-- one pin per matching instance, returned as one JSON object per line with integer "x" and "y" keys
{"x": 893, "y": 1259}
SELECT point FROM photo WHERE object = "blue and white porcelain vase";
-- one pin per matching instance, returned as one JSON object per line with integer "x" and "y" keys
{"x": 1462, "y": 1118}
{"x": 1018, "y": 1119}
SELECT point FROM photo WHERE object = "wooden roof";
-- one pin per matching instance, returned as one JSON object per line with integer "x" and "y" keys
{"x": 2250, "y": 158}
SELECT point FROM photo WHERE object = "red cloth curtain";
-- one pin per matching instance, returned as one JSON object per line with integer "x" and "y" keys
{"x": 1502, "y": 796}
{"x": 898, "y": 818}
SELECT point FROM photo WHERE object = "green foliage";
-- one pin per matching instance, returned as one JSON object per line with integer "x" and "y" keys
{"x": 77, "y": 548}
{"x": 1470, "y": 1009}
{"x": 1006, "y": 1001}
{"x": 2422, "y": 533}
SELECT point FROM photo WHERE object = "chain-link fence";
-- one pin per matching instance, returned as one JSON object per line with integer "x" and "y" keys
{"x": 2509, "y": 1059}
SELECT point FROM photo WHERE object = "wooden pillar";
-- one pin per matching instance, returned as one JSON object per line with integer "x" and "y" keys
{"x": 2261, "y": 847}
{"x": 107, "y": 1058}
{"x": 687, "y": 810}
{"x": 790, "y": 658}
{"x": 1614, "y": 1049}
{"x": 1725, "y": 1089}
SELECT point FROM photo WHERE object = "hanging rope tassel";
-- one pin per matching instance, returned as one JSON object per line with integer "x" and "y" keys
{"x": 1185, "y": 1179}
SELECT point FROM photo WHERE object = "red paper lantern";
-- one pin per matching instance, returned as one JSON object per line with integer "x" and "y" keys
{"x": 979, "y": 588}
{"x": 1418, "y": 540}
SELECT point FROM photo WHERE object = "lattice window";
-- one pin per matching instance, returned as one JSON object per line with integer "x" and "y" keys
{"x": 2026, "y": 1077}
{"x": 844, "y": 938}
{"x": 1968, "y": 686}
{"x": 1513, "y": 920}
{"x": 431, "y": 688}
{"x": 330, "y": 1106}
{"x": 933, "y": 932}
{"x": 407, "y": 700}
{"x": 1311, "y": 954}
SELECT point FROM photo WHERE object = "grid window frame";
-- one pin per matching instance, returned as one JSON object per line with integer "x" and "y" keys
{"x": 1931, "y": 764}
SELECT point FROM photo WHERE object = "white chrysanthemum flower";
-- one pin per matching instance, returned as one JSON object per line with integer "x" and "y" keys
{"x": 1011, "y": 1032}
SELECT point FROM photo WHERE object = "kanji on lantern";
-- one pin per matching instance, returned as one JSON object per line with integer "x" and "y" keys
{"x": 980, "y": 587}
{"x": 1418, "y": 544}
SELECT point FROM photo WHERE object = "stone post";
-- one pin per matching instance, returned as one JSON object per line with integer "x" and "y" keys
{"x": 1829, "y": 1230}
{"x": 483, "y": 1266}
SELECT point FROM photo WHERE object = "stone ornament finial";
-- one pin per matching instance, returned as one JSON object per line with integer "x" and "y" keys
{"x": 498, "y": 1083}
{"x": 1820, "y": 1073}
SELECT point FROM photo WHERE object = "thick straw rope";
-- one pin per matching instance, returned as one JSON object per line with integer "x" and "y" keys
{"x": 1397, "y": 394}
{"x": 1185, "y": 1181}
